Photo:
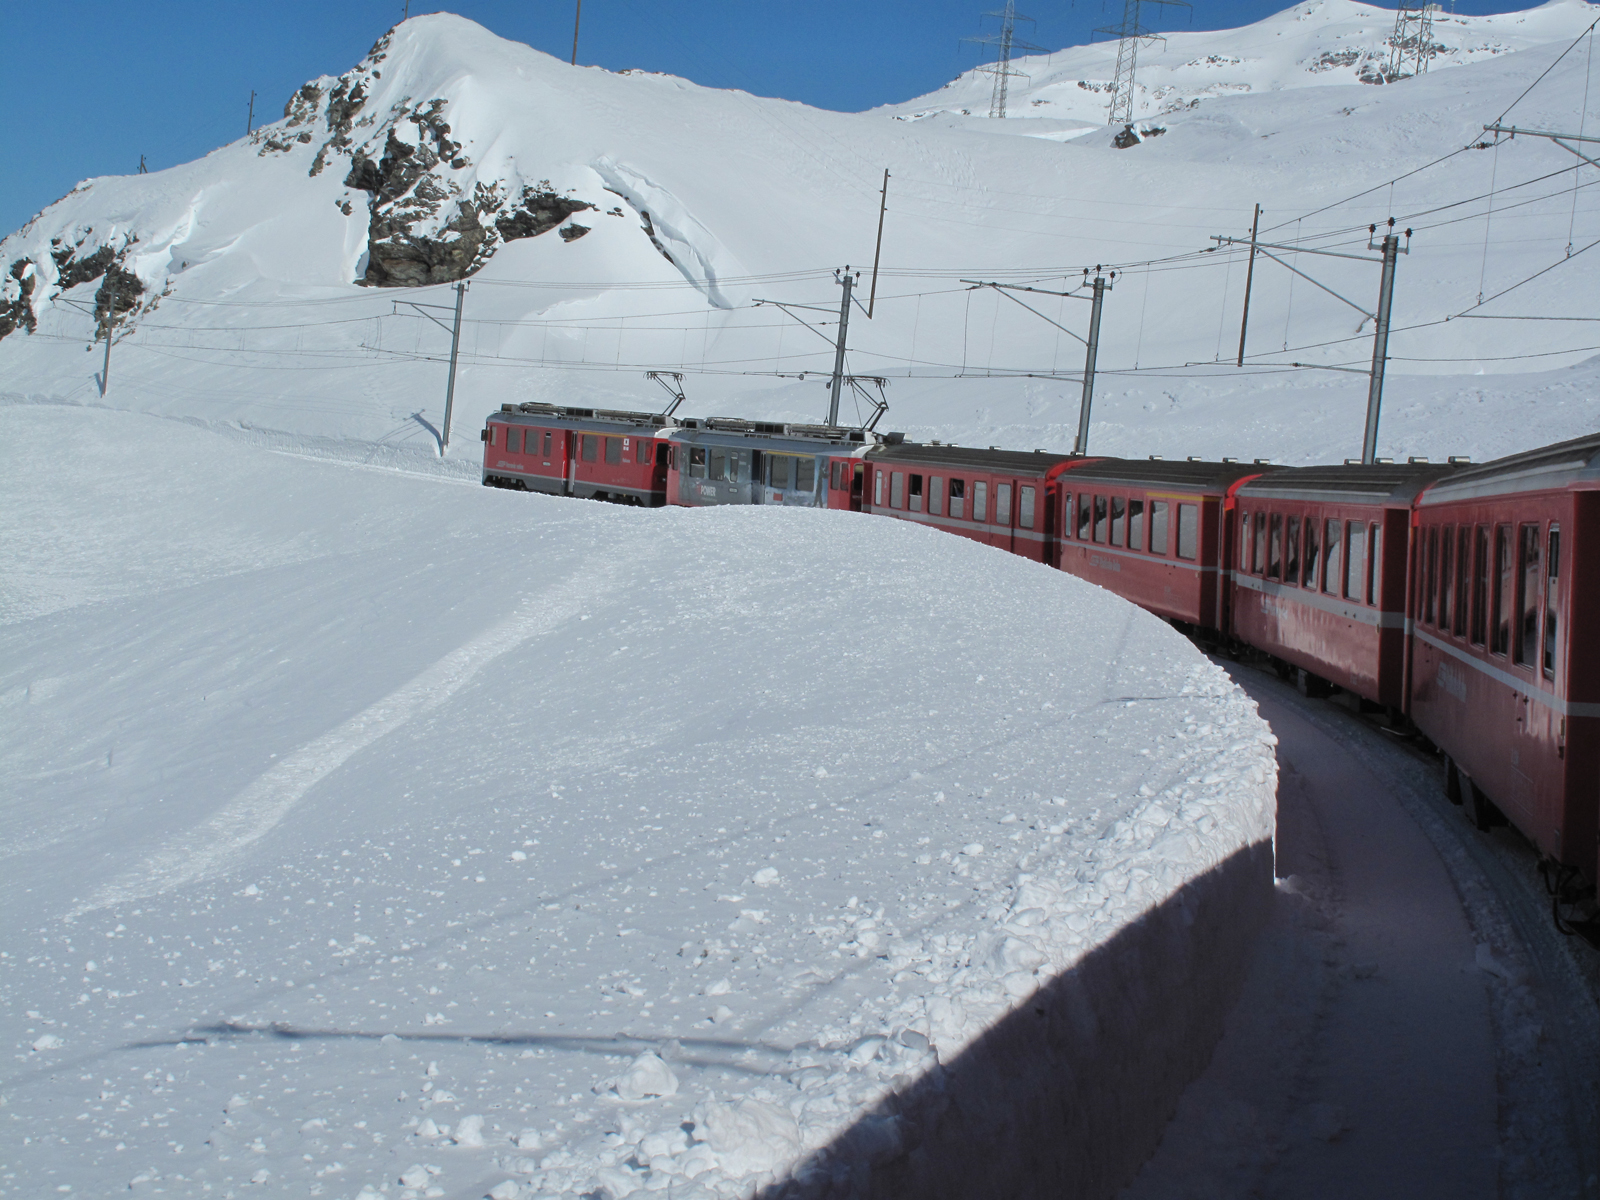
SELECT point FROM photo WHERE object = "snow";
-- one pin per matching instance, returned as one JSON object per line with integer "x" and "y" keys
{"x": 363, "y": 823}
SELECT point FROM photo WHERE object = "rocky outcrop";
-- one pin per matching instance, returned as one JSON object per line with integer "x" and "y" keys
{"x": 118, "y": 295}
{"x": 73, "y": 268}
{"x": 16, "y": 302}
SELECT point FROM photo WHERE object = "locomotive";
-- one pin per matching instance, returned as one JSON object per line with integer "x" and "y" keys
{"x": 1449, "y": 596}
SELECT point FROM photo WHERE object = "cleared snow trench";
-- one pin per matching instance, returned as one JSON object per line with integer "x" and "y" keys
{"x": 480, "y": 843}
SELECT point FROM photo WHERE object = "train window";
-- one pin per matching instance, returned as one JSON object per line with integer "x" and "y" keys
{"x": 513, "y": 441}
{"x": 1002, "y": 504}
{"x": 1331, "y": 562}
{"x": 833, "y": 475}
{"x": 1291, "y": 564}
{"x": 877, "y": 486}
{"x": 897, "y": 489}
{"x": 641, "y": 449}
{"x": 1504, "y": 586}
{"x": 778, "y": 470}
{"x": 1135, "y": 524}
{"x": 1158, "y": 527}
{"x": 697, "y": 462}
{"x": 1355, "y": 560}
{"x": 1480, "y": 585}
{"x": 1025, "y": 503}
{"x": 1463, "y": 578}
{"x": 1430, "y": 575}
{"x": 805, "y": 474}
{"x": 1275, "y": 548}
{"x": 1447, "y": 577}
{"x": 916, "y": 493}
{"x": 1552, "y": 571}
{"x": 613, "y": 450}
{"x": 1119, "y": 520}
{"x": 591, "y": 447}
{"x": 1085, "y": 511}
{"x": 1188, "y": 531}
{"x": 1529, "y": 600}
{"x": 1259, "y": 561}
{"x": 718, "y": 463}
{"x": 958, "y": 498}
{"x": 936, "y": 494}
{"x": 1244, "y": 542}
{"x": 1313, "y": 554}
{"x": 1375, "y": 565}
{"x": 980, "y": 500}
{"x": 1100, "y": 518}
{"x": 547, "y": 443}
{"x": 494, "y": 433}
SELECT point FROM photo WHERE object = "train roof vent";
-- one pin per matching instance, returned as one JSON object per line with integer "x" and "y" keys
{"x": 1388, "y": 462}
{"x": 508, "y": 408}
{"x": 1456, "y": 460}
{"x": 1352, "y": 462}
{"x": 1194, "y": 458}
{"x": 1414, "y": 459}
{"x": 1037, "y": 450}
{"x": 1260, "y": 462}
{"x": 894, "y": 439}
{"x": 1157, "y": 458}
{"x": 740, "y": 425}
{"x": 1225, "y": 458}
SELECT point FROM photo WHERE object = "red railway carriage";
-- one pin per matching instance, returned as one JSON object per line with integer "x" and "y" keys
{"x": 1003, "y": 498}
{"x": 1505, "y": 676}
{"x": 1151, "y": 531}
{"x": 587, "y": 452}
{"x": 728, "y": 460}
{"x": 1319, "y": 572}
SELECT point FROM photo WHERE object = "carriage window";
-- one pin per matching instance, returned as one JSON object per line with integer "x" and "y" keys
{"x": 1025, "y": 502}
{"x": 1135, "y": 524}
{"x": 1447, "y": 577}
{"x": 1188, "y": 531}
{"x": 1291, "y": 566}
{"x": 1259, "y": 561}
{"x": 1463, "y": 577}
{"x": 916, "y": 493}
{"x": 719, "y": 463}
{"x": 1275, "y": 548}
{"x": 547, "y": 443}
{"x": 897, "y": 490}
{"x": 1100, "y": 518}
{"x": 835, "y": 473}
{"x": 641, "y": 449}
{"x": 1331, "y": 561}
{"x": 958, "y": 497}
{"x": 513, "y": 441}
{"x": 1313, "y": 554}
{"x": 778, "y": 470}
{"x": 936, "y": 494}
{"x": 980, "y": 500}
{"x": 1002, "y": 504}
{"x": 1119, "y": 520}
{"x": 697, "y": 462}
{"x": 1504, "y": 587}
{"x": 1085, "y": 510}
{"x": 1375, "y": 565}
{"x": 1244, "y": 542}
{"x": 1158, "y": 527}
{"x": 1529, "y": 601}
{"x": 1480, "y": 586}
{"x": 613, "y": 450}
{"x": 805, "y": 474}
{"x": 1552, "y": 569}
{"x": 877, "y": 487}
{"x": 1355, "y": 560}
{"x": 1430, "y": 575}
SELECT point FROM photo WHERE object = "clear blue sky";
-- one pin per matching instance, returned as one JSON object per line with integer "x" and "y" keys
{"x": 90, "y": 86}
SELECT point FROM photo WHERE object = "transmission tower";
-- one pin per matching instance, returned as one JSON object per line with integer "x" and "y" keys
{"x": 1130, "y": 34}
{"x": 1005, "y": 43}
{"x": 1411, "y": 43}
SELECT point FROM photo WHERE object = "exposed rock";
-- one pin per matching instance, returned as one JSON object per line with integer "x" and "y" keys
{"x": 571, "y": 233}
{"x": 126, "y": 288}
{"x": 538, "y": 210}
{"x": 72, "y": 270}
{"x": 650, "y": 232}
{"x": 303, "y": 106}
{"x": 16, "y": 305}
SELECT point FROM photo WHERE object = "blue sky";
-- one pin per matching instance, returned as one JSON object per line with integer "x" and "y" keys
{"x": 90, "y": 86}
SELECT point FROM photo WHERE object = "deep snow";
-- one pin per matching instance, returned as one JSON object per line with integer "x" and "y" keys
{"x": 624, "y": 819}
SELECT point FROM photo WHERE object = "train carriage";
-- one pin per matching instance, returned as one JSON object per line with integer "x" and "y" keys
{"x": 727, "y": 460}
{"x": 1505, "y": 676}
{"x": 1152, "y": 531}
{"x": 593, "y": 453}
{"x": 1319, "y": 572}
{"x": 1003, "y": 498}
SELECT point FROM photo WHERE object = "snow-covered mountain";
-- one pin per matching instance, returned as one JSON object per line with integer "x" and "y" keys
{"x": 612, "y": 223}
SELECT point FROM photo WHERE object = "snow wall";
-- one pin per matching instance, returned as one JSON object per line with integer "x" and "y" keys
{"x": 363, "y": 827}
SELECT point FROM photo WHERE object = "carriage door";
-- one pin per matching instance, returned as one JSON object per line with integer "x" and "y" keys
{"x": 1005, "y": 527}
{"x": 858, "y": 483}
{"x": 567, "y": 442}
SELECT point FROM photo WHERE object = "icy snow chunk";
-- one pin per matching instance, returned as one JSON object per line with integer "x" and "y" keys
{"x": 720, "y": 988}
{"x": 527, "y": 1139}
{"x": 648, "y": 1076}
{"x": 972, "y": 849}
{"x": 765, "y": 877}
{"x": 506, "y": 1189}
{"x": 749, "y": 1136}
{"x": 469, "y": 1133}
{"x": 49, "y": 1042}
{"x": 414, "y": 1176}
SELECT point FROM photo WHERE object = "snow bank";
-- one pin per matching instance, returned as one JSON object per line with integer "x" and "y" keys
{"x": 366, "y": 831}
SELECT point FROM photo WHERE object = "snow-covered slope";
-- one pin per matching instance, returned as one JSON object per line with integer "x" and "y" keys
{"x": 361, "y": 829}
{"x": 616, "y": 223}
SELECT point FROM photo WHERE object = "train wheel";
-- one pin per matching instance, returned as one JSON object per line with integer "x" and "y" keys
{"x": 1452, "y": 781}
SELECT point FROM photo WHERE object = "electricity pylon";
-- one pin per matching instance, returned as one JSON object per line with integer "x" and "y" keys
{"x": 1005, "y": 43}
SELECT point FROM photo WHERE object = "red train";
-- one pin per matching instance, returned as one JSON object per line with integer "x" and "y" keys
{"x": 1450, "y": 595}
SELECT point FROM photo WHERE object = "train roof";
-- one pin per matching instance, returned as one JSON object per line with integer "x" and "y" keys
{"x": 971, "y": 458}
{"x": 1566, "y": 464}
{"x": 1162, "y": 472}
{"x": 735, "y": 430}
{"x": 565, "y": 414}
{"x": 1384, "y": 484}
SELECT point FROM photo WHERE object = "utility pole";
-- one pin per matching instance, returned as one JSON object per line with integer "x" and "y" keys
{"x": 1380, "y": 344}
{"x": 250, "y": 118}
{"x": 1101, "y": 287}
{"x": 837, "y": 386}
{"x": 143, "y": 170}
{"x": 883, "y": 207}
{"x": 1130, "y": 34}
{"x": 111, "y": 319}
{"x": 1005, "y": 43}
{"x": 1249, "y": 276}
{"x": 576, "y": 18}
{"x": 450, "y": 386}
